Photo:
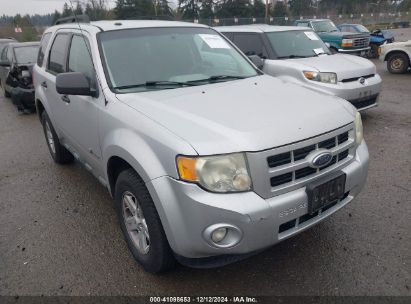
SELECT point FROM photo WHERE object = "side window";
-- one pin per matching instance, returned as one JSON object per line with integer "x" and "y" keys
{"x": 305, "y": 24}
{"x": 79, "y": 58}
{"x": 4, "y": 54}
{"x": 57, "y": 57}
{"x": 250, "y": 44}
{"x": 10, "y": 54}
{"x": 43, "y": 45}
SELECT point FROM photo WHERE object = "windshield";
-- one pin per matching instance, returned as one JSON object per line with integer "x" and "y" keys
{"x": 362, "y": 29}
{"x": 297, "y": 44}
{"x": 324, "y": 26}
{"x": 164, "y": 58}
{"x": 26, "y": 54}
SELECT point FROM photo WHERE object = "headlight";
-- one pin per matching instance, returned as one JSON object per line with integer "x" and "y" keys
{"x": 222, "y": 173}
{"x": 358, "y": 129}
{"x": 346, "y": 42}
{"x": 321, "y": 77}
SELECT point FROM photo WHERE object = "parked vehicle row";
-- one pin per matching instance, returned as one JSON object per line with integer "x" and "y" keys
{"x": 298, "y": 55}
{"x": 208, "y": 159}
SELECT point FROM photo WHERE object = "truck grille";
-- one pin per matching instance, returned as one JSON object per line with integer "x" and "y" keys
{"x": 361, "y": 42}
{"x": 283, "y": 169}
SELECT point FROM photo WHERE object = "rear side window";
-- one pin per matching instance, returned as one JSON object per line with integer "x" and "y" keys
{"x": 305, "y": 24}
{"x": 250, "y": 44}
{"x": 43, "y": 45}
{"x": 57, "y": 58}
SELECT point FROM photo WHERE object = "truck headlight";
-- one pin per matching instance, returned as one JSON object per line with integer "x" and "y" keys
{"x": 222, "y": 173}
{"x": 321, "y": 76}
{"x": 358, "y": 129}
{"x": 346, "y": 42}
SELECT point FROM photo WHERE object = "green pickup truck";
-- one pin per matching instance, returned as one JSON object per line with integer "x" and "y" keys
{"x": 344, "y": 42}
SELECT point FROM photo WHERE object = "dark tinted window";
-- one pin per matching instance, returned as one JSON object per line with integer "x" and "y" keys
{"x": 43, "y": 45}
{"x": 306, "y": 24}
{"x": 57, "y": 63}
{"x": 250, "y": 44}
{"x": 4, "y": 54}
{"x": 79, "y": 58}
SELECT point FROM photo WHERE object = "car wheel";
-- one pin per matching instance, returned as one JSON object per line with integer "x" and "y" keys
{"x": 333, "y": 50}
{"x": 141, "y": 224}
{"x": 5, "y": 92}
{"x": 398, "y": 63}
{"x": 59, "y": 153}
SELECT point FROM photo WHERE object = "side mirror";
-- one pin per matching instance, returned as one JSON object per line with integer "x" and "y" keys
{"x": 73, "y": 83}
{"x": 328, "y": 44}
{"x": 5, "y": 63}
{"x": 258, "y": 62}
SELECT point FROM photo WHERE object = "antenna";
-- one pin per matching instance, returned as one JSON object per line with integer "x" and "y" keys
{"x": 88, "y": 49}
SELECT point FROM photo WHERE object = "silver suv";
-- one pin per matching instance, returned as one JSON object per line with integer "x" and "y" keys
{"x": 205, "y": 163}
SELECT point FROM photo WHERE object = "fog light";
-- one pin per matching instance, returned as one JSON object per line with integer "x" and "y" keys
{"x": 219, "y": 234}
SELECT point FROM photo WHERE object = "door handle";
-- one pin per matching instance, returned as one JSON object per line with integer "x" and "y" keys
{"x": 65, "y": 98}
{"x": 44, "y": 84}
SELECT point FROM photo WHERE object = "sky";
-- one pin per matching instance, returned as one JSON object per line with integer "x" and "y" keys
{"x": 13, "y": 7}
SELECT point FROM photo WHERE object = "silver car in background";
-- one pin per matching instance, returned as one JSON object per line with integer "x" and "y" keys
{"x": 298, "y": 55}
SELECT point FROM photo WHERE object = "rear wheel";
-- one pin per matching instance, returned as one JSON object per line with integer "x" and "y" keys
{"x": 58, "y": 152}
{"x": 398, "y": 63}
{"x": 141, "y": 224}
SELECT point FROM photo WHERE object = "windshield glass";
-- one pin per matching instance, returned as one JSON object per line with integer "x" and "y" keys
{"x": 324, "y": 26}
{"x": 163, "y": 58}
{"x": 296, "y": 44}
{"x": 362, "y": 29}
{"x": 26, "y": 54}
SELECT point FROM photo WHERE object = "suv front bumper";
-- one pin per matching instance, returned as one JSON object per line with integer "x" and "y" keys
{"x": 186, "y": 211}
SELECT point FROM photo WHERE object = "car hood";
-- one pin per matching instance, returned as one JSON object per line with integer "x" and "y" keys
{"x": 398, "y": 44}
{"x": 243, "y": 115}
{"x": 345, "y": 66}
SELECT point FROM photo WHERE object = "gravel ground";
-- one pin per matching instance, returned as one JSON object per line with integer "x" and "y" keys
{"x": 59, "y": 234}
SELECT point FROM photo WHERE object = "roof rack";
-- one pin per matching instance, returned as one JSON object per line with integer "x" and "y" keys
{"x": 73, "y": 19}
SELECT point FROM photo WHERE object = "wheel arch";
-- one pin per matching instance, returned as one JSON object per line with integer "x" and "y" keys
{"x": 393, "y": 52}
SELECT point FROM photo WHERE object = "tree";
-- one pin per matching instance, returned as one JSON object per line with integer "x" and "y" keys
{"x": 66, "y": 11}
{"x": 300, "y": 7}
{"x": 206, "y": 10}
{"x": 56, "y": 16}
{"x": 163, "y": 8}
{"x": 280, "y": 10}
{"x": 258, "y": 9}
{"x": 78, "y": 10}
{"x": 132, "y": 9}
{"x": 189, "y": 9}
{"x": 235, "y": 8}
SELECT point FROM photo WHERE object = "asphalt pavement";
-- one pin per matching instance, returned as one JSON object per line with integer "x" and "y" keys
{"x": 59, "y": 234}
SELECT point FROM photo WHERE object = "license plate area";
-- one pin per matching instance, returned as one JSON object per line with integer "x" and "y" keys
{"x": 326, "y": 191}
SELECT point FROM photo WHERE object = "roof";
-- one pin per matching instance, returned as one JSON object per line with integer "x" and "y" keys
{"x": 259, "y": 28}
{"x": 23, "y": 44}
{"x": 112, "y": 25}
{"x": 305, "y": 20}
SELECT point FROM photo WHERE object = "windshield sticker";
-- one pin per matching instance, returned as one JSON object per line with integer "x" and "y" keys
{"x": 311, "y": 35}
{"x": 214, "y": 41}
{"x": 319, "y": 51}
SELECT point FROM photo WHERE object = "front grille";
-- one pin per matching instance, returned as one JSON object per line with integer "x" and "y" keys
{"x": 286, "y": 168}
{"x": 364, "y": 102}
{"x": 357, "y": 78}
{"x": 361, "y": 42}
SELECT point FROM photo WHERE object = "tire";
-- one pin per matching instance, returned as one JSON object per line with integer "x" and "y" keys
{"x": 333, "y": 50}
{"x": 398, "y": 63}
{"x": 139, "y": 220}
{"x": 58, "y": 152}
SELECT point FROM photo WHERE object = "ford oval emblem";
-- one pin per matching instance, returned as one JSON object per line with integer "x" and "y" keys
{"x": 321, "y": 159}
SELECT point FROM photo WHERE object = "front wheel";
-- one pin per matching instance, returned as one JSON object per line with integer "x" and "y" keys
{"x": 398, "y": 63}
{"x": 58, "y": 152}
{"x": 141, "y": 224}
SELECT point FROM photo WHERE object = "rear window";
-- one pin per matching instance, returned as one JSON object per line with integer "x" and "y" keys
{"x": 43, "y": 45}
{"x": 57, "y": 58}
{"x": 26, "y": 54}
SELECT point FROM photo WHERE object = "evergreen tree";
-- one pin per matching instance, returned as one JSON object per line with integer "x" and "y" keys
{"x": 133, "y": 9}
{"x": 206, "y": 10}
{"x": 280, "y": 10}
{"x": 258, "y": 9}
{"x": 163, "y": 8}
{"x": 234, "y": 8}
{"x": 66, "y": 11}
{"x": 301, "y": 7}
{"x": 78, "y": 9}
{"x": 189, "y": 9}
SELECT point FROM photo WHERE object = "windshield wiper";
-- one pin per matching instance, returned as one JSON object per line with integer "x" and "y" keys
{"x": 292, "y": 56}
{"x": 154, "y": 84}
{"x": 216, "y": 78}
